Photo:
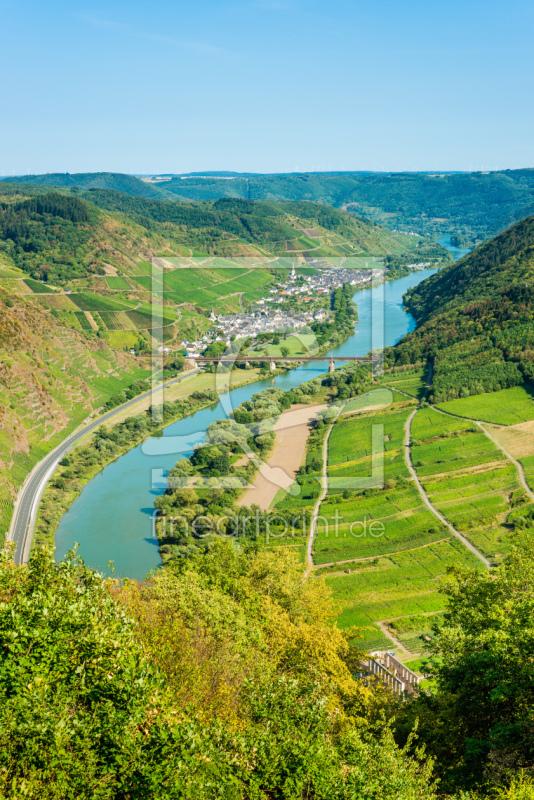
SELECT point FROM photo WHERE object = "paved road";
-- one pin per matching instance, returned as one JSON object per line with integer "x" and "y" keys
{"x": 25, "y": 513}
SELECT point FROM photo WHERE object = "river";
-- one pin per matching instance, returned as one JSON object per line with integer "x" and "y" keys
{"x": 112, "y": 518}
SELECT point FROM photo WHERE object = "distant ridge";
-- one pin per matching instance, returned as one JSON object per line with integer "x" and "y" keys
{"x": 474, "y": 205}
{"x": 118, "y": 181}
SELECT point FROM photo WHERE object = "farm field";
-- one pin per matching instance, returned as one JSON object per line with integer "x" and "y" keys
{"x": 61, "y": 302}
{"x": 193, "y": 383}
{"x": 118, "y": 282}
{"x": 38, "y": 287}
{"x": 467, "y": 478}
{"x": 205, "y": 285}
{"x": 123, "y": 338}
{"x": 357, "y": 522}
{"x": 303, "y": 344}
{"x": 507, "y": 407}
{"x": 381, "y": 550}
{"x": 378, "y": 397}
{"x": 401, "y": 585}
{"x": 351, "y": 438}
{"x": 96, "y": 302}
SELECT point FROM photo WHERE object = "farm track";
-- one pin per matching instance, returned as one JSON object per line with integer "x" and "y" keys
{"x": 509, "y": 456}
{"x": 309, "y": 556}
{"x": 382, "y": 555}
{"x": 407, "y": 654}
{"x": 435, "y": 512}
{"x": 503, "y": 450}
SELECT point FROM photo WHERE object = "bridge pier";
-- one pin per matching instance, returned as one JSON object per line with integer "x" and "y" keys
{"x": 331, "y": 365}
{"x": 272, "y": 364}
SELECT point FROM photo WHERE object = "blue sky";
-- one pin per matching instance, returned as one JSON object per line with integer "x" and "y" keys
{"x": 267, "y": 86}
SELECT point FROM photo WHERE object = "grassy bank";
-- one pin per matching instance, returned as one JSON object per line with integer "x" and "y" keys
{"x": 126, "y": 432}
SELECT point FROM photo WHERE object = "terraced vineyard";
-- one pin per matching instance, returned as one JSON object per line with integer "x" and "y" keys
{"x": 396, "y": 586}
{"x": 380, "y": 548}
{"x": 467, "y": 478}
{"x": 55, "y": 378}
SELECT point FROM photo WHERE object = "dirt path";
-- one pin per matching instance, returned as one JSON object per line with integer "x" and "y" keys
{"x": 292, "y": 431}
{"x": 515, "y": 462}
{"x": 424, "y": 497}
{"x": 406, "y": 654}
{"x": 91, "y": 320}
{"x": 382, "y": 555}
{"x": 309, "y": 557}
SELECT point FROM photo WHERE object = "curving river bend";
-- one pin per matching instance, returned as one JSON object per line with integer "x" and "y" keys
{"x": 112, "y": 518}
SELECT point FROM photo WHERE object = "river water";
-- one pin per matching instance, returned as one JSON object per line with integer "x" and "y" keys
{"x": 112, "y": 518}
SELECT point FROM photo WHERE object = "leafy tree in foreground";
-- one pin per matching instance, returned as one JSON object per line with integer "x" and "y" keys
{"x": 86, "y": 712}
{"x": 479, "y": 721}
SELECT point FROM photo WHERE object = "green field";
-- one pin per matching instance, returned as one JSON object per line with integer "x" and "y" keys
{"x": 412, "y": 383}
{"x": 466, "y": 477}
{"x": 60, "y": 302}
{"x": 122, "y": 339}
{"x": 117, "y": 282}
{"x": 376, "y": 397}
{"x": 302, "y": 344}
{"x": 95, "y": 302}
{"x": 37, "y": 287}
{"x": 401, "y": 585}
{"x": 207, "y": 285}
{"x": 83, "y": 321}
{"x": 404, "y": 549}
{"x": 507, "y": 407}
{"x": 7, "y": 271}
{"x": 381, "y": 550}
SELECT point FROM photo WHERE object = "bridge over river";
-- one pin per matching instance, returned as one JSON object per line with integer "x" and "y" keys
{"x": 273, "y": 360}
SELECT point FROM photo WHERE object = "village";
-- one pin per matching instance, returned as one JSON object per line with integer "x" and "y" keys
{"x": 277, "y": 314}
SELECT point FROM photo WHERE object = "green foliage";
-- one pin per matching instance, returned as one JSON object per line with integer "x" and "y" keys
{"x": 93, "y": 704}
{"x": 475, "y": 319}
{"x": 48, "y": 236}
{"x": 478, "y": 720}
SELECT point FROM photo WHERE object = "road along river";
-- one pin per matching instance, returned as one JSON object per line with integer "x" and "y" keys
{"x": 112, "y": 519}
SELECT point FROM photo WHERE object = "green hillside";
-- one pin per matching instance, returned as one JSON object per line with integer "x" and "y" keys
{"x": 473, "y": 206}
{"x": 116, "y": 181}
{"x": 478, "y": 205}
{"x": 280, "y": 227}
{"x": 51, "y": 379}
{"x": 90, "y": 252}
{"x": 476, "y": 319}
{"x": 60, "y": 236}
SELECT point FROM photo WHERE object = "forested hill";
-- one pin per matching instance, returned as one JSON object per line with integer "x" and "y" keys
{"x": 476, "y": 318}
{"x": 475, "y": 205}
{"x": 59, "y": 237}
{"x": 116, "y": 181}
{"x": 269, "y": 223}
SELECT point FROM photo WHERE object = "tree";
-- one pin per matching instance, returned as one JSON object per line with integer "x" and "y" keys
{"x": 478, "y": 721}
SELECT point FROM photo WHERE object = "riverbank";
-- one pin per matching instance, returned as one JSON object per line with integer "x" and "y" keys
{"x": 112, "y": 518}
{"x": 77, "y": 470}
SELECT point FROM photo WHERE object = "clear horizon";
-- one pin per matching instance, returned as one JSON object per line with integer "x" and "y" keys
{"x": 216, "y": 173}
{"x": 272, "y": 86}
